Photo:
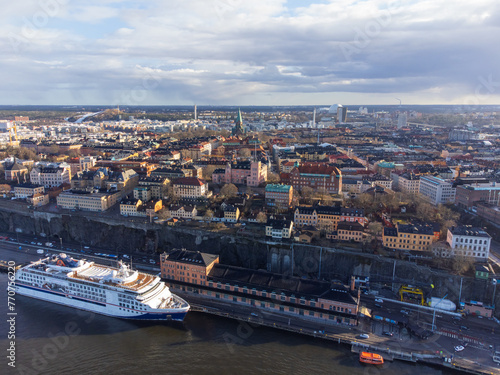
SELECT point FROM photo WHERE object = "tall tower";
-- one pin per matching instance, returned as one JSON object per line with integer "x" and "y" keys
{"x": 238, "y": 128}
{"x": 402, "y": 118}
{"x": 341, "y": 113}
{"x": 195, "y": 113}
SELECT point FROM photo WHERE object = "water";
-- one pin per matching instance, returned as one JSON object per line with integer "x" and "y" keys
{"x": 202, "y": 345}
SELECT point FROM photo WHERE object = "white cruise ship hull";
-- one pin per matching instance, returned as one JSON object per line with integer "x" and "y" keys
{"x": 97, "y": 307}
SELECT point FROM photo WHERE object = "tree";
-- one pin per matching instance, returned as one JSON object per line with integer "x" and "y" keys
{"x": 4, "y": 188}
{"x": 208, "y": 171}
{"x": 273, "y": 178}
{"x": 426, "y": 211}
{"x": 375, "y": 228}
{"x": 461, "y": 264}
{"x": 307, "y": 193}
{"x": 209, "y": 214}
{"x": 244, "y": 153}
{"x": 228, "y": 191}
{"x": 262, "y": 217}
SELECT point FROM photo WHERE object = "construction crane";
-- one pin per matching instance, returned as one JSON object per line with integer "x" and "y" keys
{"x": 16, "y": 142}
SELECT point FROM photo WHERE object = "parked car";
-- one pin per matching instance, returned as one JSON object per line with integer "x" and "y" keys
{"x": 39, "y": 251}
{"x": 406, "y": 312}
{"x": 126, "y": 256}
{"x": 380, "y": 300}
{"x": 364, "y": 336}
{"x": 378, "y": 305}
{"x": 152, "y": 261}
{"x": 459, "y": 348}
{"x": 390, "y": 334}
{"x": 465, "y": 328}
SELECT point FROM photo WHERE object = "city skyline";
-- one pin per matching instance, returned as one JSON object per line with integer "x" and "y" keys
{"x": 236, "y": 53}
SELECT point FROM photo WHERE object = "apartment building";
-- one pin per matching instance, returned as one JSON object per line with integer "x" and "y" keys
{"x": 50, "y": 176}
{"x": 436, "y": 190}
{"x": 468, "y": 196}
{"x": 469, "y": 241}
{"x": 87, "y": 201}
{"x": 318, "y": 176}
{"x": 190, "y": 187}
{"x": 249, "y": 173}
{"x": 276, "y": 228}
{"x": 279, "y": 195}
{"x": 26, "y": 190}
{"x": 408, "y": 237}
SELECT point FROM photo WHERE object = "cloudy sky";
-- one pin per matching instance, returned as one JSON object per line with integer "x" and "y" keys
{"x": 249, "y": 52}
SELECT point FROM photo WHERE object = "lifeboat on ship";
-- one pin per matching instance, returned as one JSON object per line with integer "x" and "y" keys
{"x": 371, "y": 358}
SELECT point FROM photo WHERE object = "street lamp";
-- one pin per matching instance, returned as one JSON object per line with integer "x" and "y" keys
{"x": 494, "y": 281}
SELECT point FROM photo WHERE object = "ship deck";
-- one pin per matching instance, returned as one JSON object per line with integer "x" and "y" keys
{"x": 96, "y": 273}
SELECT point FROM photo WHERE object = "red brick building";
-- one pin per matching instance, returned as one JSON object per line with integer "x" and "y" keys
{"x": 317, "y": 176}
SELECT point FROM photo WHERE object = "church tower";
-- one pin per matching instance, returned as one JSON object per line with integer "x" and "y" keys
{"x": 238, "y": 128}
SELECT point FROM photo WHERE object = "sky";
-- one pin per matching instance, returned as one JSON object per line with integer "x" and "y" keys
{"x": 249, "y": 52}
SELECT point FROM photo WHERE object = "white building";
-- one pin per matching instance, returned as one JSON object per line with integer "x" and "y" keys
{"x": 279, "y": 228}
{"x": 408, "y": 183}
{"x": 436, "y": 190}
{"x": 469, "y": 241}
{"x": 190, "y": 187}
{"x": 50, "y": 176}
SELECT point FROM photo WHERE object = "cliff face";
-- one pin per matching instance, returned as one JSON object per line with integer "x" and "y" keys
{"x": 306, "y": 261}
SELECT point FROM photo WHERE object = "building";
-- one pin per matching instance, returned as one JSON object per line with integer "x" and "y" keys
{"x": 489, "y": 212}
{"x": 276, "y": 228}
{"x": 279, "y": 195}
{"x": 190, "y": 187}
{"x": 402, "y": 119}
{"x": 26, "y": 190}
{"x": 50, "y": 176}
{"x": 436, "y": 190}
{"x": 16, "y": 172}
{"x": 317, "y": 176}
{"x": 130, "y": 207}
{"x": 187, "y": 266}
{"x": 409, "y": 183}
{"x": 157, "y": 185}
{"x": 328, "y": 217}
{"x": 468, "y": 196}
{"x": 142, "y": 193}
{"x": 124, "y": 181}
{"x": 183, "y": 212}
{"x": 87, "y": 201}
{"x": 202, "y": 274}
{"x": 341, "y": 113}
{"x": 231, "y": 213}
{"x": 347, "y": 231}
{"x": 38, "y": 200}
{"x": 238, "y": 128}
{"x": 469, "y": 242}
{"x": 249, "y": 173}
{"x": 408, "y": 237}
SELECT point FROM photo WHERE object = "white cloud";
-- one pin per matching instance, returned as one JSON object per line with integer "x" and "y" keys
{"x": 233, "y": 51}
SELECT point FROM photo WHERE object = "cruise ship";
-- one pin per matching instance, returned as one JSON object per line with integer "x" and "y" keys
{"x": 118, "y": 292}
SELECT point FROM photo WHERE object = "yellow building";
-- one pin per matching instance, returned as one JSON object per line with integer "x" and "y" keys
{"x": 86, "y": 201}
{"x": 408, "y": 237}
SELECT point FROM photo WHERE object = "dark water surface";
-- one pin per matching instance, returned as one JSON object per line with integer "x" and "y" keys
{"x": 53, "y": 339}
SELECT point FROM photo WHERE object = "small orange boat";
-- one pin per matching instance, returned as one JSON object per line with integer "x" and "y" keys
{"x": 371, "y": 358}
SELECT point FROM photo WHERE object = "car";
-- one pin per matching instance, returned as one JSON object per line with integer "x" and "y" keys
{"x": 480, "y": 317}
{"x": 86, "y": 247}
{"x": 364, "y": 336}
{"x": 380, "y": 300}
{"x": 39, "y": 251}
{"x": 406, "y": 312}
{"x": 459, "y": 348}
{"x": 126, "y": 256}
{"x": 39, "y": 243}
{"x": 390, "y": 334}
{"x": 152, "y": 261}
{"x": 254, "y": 314}
{"x": 465, "y": 328}
{"x": 33, "y": 243}
{"x": 378, "y": 305}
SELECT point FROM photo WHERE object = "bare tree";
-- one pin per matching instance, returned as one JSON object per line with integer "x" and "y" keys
{"x": 262, "y": 217}
{"x": 228, "y": 191}
{"x": 273, "y": 178}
